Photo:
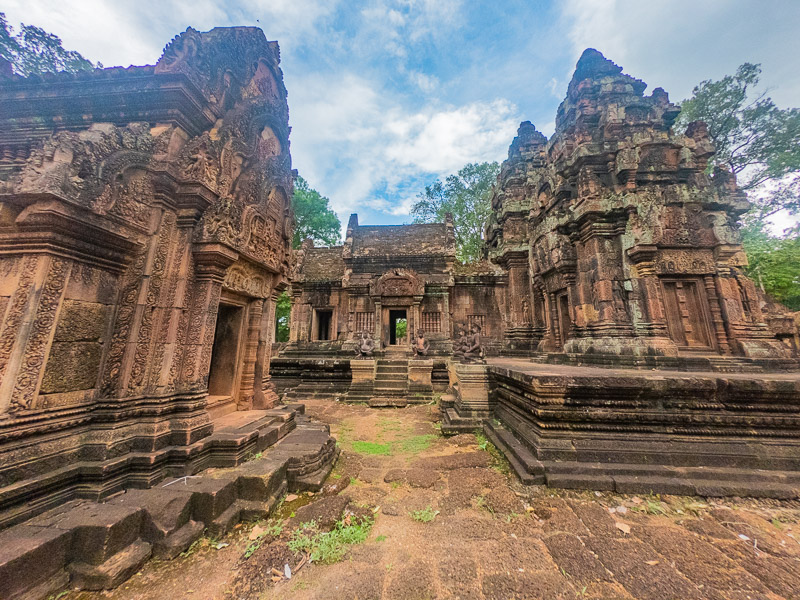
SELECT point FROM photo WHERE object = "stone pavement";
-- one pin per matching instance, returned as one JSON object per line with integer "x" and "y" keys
{"x": 492, "y": 537}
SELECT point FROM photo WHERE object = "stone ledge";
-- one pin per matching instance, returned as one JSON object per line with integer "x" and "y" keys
{"x": 101, "y": 545}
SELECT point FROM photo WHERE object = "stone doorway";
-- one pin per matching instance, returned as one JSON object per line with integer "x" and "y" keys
{"x": 564, "y": 321}
{"x": 223, "y": 375}
{"x": 398, "y": 328}
{"x": 322, "y": 332}
{"x": 686, "y": 307}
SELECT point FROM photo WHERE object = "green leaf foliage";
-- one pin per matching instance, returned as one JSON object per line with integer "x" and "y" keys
{"x": 465, "y": 195}
{"x": 313, "y": 216}
{"x": 754, "y": 139}
{"x": 774, "y": 264}
{"x": 283, "y": 310}
{"x": 33, "y": 51}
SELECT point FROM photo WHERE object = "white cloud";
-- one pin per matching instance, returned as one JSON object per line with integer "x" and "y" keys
{"x": 125, "y": 32}
{"x": 677, "y": 43}
{"x": 426, "y": 83}
{"x": 361, "y": 147}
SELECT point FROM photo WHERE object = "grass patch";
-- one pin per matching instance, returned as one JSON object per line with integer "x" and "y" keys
{"x": 380, "y": 538}
{"x": 328, "y": 547}
{"x": 416, "y": 444}
{"x": 499, "y": 462}
{"x": 390, "y": 425}
{"x": 652, "y": 505}
{"x": 426, "y": 515}
{"x": 372, "y": 448}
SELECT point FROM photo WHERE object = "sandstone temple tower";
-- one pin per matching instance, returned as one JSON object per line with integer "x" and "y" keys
{"x": 145, "y": 229}
{"x": 618, "y": 236}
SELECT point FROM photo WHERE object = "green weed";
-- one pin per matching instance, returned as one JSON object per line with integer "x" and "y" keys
{"x": 426, "y": 515}
{"x": 328, "y": 547}
{"x": 380, "y": 538}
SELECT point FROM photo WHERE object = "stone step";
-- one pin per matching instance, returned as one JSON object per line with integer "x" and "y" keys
{"x": 387, "y": 402}
{"x": 527, "y": 467}
{"x": 452, "y": 423}
{"x": 102, "y": 544}
{"x": 695, "y": 481}
{"x": 391, "y": 383}
{"x": 113, "y": 571}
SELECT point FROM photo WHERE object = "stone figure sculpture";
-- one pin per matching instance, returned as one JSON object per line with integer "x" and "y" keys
{"x": 474, "y": 349}
{"x": 365, "y": 346}
{"x": 420, "y": 345}
{"x": 461, "y": 343}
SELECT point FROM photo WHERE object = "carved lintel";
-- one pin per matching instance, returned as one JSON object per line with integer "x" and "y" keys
{"x": 53, "y": 227}
{"x": 212, "y": 260}
{"x": 642, "y": 253}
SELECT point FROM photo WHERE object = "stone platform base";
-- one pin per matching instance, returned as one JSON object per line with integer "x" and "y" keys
{"x": 96, "y": 546}
{"x": 470, "y": 404}
{"x": 632, "y": 431}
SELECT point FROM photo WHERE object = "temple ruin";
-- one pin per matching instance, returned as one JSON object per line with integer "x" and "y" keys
{"x": 608, "y": 339}
{"x": 610, "y": 252}
{"x": 145, "y": 236}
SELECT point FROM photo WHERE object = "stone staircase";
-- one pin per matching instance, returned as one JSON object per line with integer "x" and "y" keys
{"x": 93, "y": 545}
{"x": 391, "y": 382}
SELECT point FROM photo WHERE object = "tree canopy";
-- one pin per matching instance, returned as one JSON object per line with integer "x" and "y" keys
{"x": 313, "y": 217}
{"x": 760, "y": 144}
{"x": 774, "y": 264}
{"x": 32, "y": 51}
{"x": 754, "y": 139}
{"x": 466, "y": 195}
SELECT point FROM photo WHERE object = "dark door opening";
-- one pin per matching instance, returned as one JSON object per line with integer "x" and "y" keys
{"x": 324, "y": 318}
{"x": 398, "y": 327}
{"x": 564, "y": 322}
{"x": 224, "y": 352}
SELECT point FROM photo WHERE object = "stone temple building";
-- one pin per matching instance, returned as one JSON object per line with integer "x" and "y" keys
{"x": 610, "y": 245}
{"x": 145, "y": 229}
{"x": 608, "y": 339}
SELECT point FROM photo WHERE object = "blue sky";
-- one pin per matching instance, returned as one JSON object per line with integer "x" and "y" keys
{"x": 387, "y": 95}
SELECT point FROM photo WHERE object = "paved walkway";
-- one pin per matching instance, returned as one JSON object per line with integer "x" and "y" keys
{"x": 490, "y": 538}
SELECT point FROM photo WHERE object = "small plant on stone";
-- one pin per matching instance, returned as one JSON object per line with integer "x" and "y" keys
{"x": 483, "y": 441}
{"x": 426, "y": 515}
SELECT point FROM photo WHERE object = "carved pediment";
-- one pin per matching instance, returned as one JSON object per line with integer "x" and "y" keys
{"x": 399, "y": 282}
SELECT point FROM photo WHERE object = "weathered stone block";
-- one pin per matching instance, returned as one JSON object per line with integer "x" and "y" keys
{"x": 81, "y": 321}
{"x": 71, "y": 366}
{"x": 363, "y": 370}
{"x": 33, "y": 558}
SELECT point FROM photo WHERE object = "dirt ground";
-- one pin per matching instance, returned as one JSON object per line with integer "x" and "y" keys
{"x": 489, "y": 536}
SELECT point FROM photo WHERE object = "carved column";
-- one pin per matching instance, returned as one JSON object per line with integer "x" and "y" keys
{"x": 265, "y": 396}
{"x": 211, "y": 261}
{"x": 716, "y": 315}
{"x": 378, "y": 324}
{"x": 248, "y": 382}
{"x": 28, "y": 328}
{"x": 651, "y": 326}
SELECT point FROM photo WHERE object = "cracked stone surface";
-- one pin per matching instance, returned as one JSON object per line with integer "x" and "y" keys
{"x": 492, "y": 538}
